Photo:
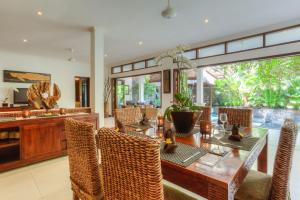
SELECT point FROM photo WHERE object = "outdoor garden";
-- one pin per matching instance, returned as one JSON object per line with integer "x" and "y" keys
{"x": 271, "y": 87}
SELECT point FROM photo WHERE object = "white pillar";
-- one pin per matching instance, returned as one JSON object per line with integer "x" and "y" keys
{"x": 97, "y": 73}
{"x": 141, "y": 88}
{"x": 200, "y": 86}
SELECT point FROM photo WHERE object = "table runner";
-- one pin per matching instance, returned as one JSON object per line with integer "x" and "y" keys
{"x": 182, "y": 153}
{"x": 139, "y": 126}
{"x": 247, "y": 143}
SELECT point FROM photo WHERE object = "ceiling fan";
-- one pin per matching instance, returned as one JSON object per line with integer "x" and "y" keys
{"x": 169, "y": 12}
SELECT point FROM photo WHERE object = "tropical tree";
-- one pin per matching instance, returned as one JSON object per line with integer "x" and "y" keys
{"x": 272, "y": 83}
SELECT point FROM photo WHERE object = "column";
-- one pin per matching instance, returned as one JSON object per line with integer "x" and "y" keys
{"x": 97, "y": 73}
{"x": 199, "y": 92}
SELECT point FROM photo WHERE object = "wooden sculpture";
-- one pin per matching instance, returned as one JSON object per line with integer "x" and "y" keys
{"x": 39, "y": 95}
{"x": 170, "y": 142}
{"x": 144, "y": 120}
{"x": 235, "y": 135}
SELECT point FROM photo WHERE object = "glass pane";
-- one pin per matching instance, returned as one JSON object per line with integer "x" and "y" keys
{"x": 120, "y": 94}
{"x": 212, "y": 50}
{"x": 127, "y": 68}
{"x": 139, "y": 90}
{"x": 139, "y": 65}
{"x": 116, "y": 70}
{"x": 151, "y": 63}
{"x": 190, "y": 54}
{"x": 244, "y": 44}
{"x": 284, "y": 36}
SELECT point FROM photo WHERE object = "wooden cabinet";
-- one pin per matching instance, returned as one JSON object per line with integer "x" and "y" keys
{"x": 40, "y": 139}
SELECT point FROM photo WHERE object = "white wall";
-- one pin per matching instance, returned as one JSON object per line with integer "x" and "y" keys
{"x": 62, "y": 73}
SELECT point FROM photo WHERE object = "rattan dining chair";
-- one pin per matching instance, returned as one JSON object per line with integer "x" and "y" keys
{"x": 85, "y": 172}
{"x": 151, "y": 113}
{"x": 131, "y": 168}
{"x": 206, "y": 114}
{"x": 259, "y": 186}
{"x": 127, "y": 115}
{"x": 242, "y": 116}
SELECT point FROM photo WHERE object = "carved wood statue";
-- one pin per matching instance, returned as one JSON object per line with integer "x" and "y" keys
{"x": 144, "y": 120}
{"x": 39, "y": 95}
{"x": 235, "y": 135}
{"x": 170, "y": 142}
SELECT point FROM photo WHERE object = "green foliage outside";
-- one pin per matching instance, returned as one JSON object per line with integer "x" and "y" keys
{"x": 120, "y": 94}
{"x": 152, "y": 92}
{"x": 272, "y": 83}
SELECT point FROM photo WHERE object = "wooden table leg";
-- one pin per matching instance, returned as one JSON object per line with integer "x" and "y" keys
{"x": 262, "y": 161}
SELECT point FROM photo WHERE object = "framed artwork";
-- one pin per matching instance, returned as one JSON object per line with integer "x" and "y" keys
{"x": 167, "y": 81}
{"x": 25, "y": 77}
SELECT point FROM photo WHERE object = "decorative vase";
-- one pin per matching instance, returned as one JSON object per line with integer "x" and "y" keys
{"x": 185, "y": 121}
{"x": 106, "y": 109}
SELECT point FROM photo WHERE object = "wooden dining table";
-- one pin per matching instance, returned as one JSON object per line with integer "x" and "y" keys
{"x": 221, "y": 181}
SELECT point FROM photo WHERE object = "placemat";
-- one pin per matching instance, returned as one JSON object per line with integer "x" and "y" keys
{"x": 184, "y": 155}
{"x": 247, "y": 143}
{"x": 194, "y": 131}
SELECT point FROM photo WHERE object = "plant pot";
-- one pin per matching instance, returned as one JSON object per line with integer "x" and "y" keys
{"x": 184, "y": 121}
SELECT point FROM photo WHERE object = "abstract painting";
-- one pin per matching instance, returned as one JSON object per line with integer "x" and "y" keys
{"x": 25, "y": 77}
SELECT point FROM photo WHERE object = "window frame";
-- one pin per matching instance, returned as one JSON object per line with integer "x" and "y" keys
{"x": 263, "y": 34}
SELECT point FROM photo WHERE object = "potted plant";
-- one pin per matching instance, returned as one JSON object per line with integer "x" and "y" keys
{"x": 183, "y": 112}
{"x": 5, "y": 99}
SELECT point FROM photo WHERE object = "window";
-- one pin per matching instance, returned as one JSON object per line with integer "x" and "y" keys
{"x": 276, "y": 37}
{"x": 139, "y": 65}
{"x": 190, "y": 54}
{"x": 116, "y": 70}
{"x": 151, "y": 63}
{"x": 139, "y": 90}
{"x": 245, "y": 44}
{"x": 127, "y": 68}
{"x": 283, "y": 36}
{"x": 212, "y": 50}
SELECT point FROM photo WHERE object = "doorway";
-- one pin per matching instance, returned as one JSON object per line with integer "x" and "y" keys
{"x": 82, "y": 91}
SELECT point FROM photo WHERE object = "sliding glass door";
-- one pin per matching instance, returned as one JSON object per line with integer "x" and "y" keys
{"x": 139, "y": 90}
{"x": 270, "y": 86}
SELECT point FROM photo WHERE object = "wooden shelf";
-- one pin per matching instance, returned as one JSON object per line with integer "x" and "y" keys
{"x": 9, "y": 143}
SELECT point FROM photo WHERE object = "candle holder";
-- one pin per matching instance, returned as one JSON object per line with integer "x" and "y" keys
{"x": 160, "y": 121}
{"x": 205, "y": 127}
{"x": 62, "y": 111}
{"x": 25, "y": 113}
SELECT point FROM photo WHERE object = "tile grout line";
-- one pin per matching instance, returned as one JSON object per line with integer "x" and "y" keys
{"x": 35, "y": 183}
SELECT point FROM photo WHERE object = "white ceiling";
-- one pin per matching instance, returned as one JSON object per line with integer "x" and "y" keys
{"x": 64, "y": 24}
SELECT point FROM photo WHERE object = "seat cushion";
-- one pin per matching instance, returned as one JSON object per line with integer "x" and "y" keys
{"x": 256, "y": 186}
{"x": 172, "y": 192}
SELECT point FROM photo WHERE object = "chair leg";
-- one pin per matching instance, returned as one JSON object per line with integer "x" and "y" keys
{"x": 75, "y": 196}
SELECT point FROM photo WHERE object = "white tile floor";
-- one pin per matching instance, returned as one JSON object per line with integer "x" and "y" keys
{"x": 49, "y": 180}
